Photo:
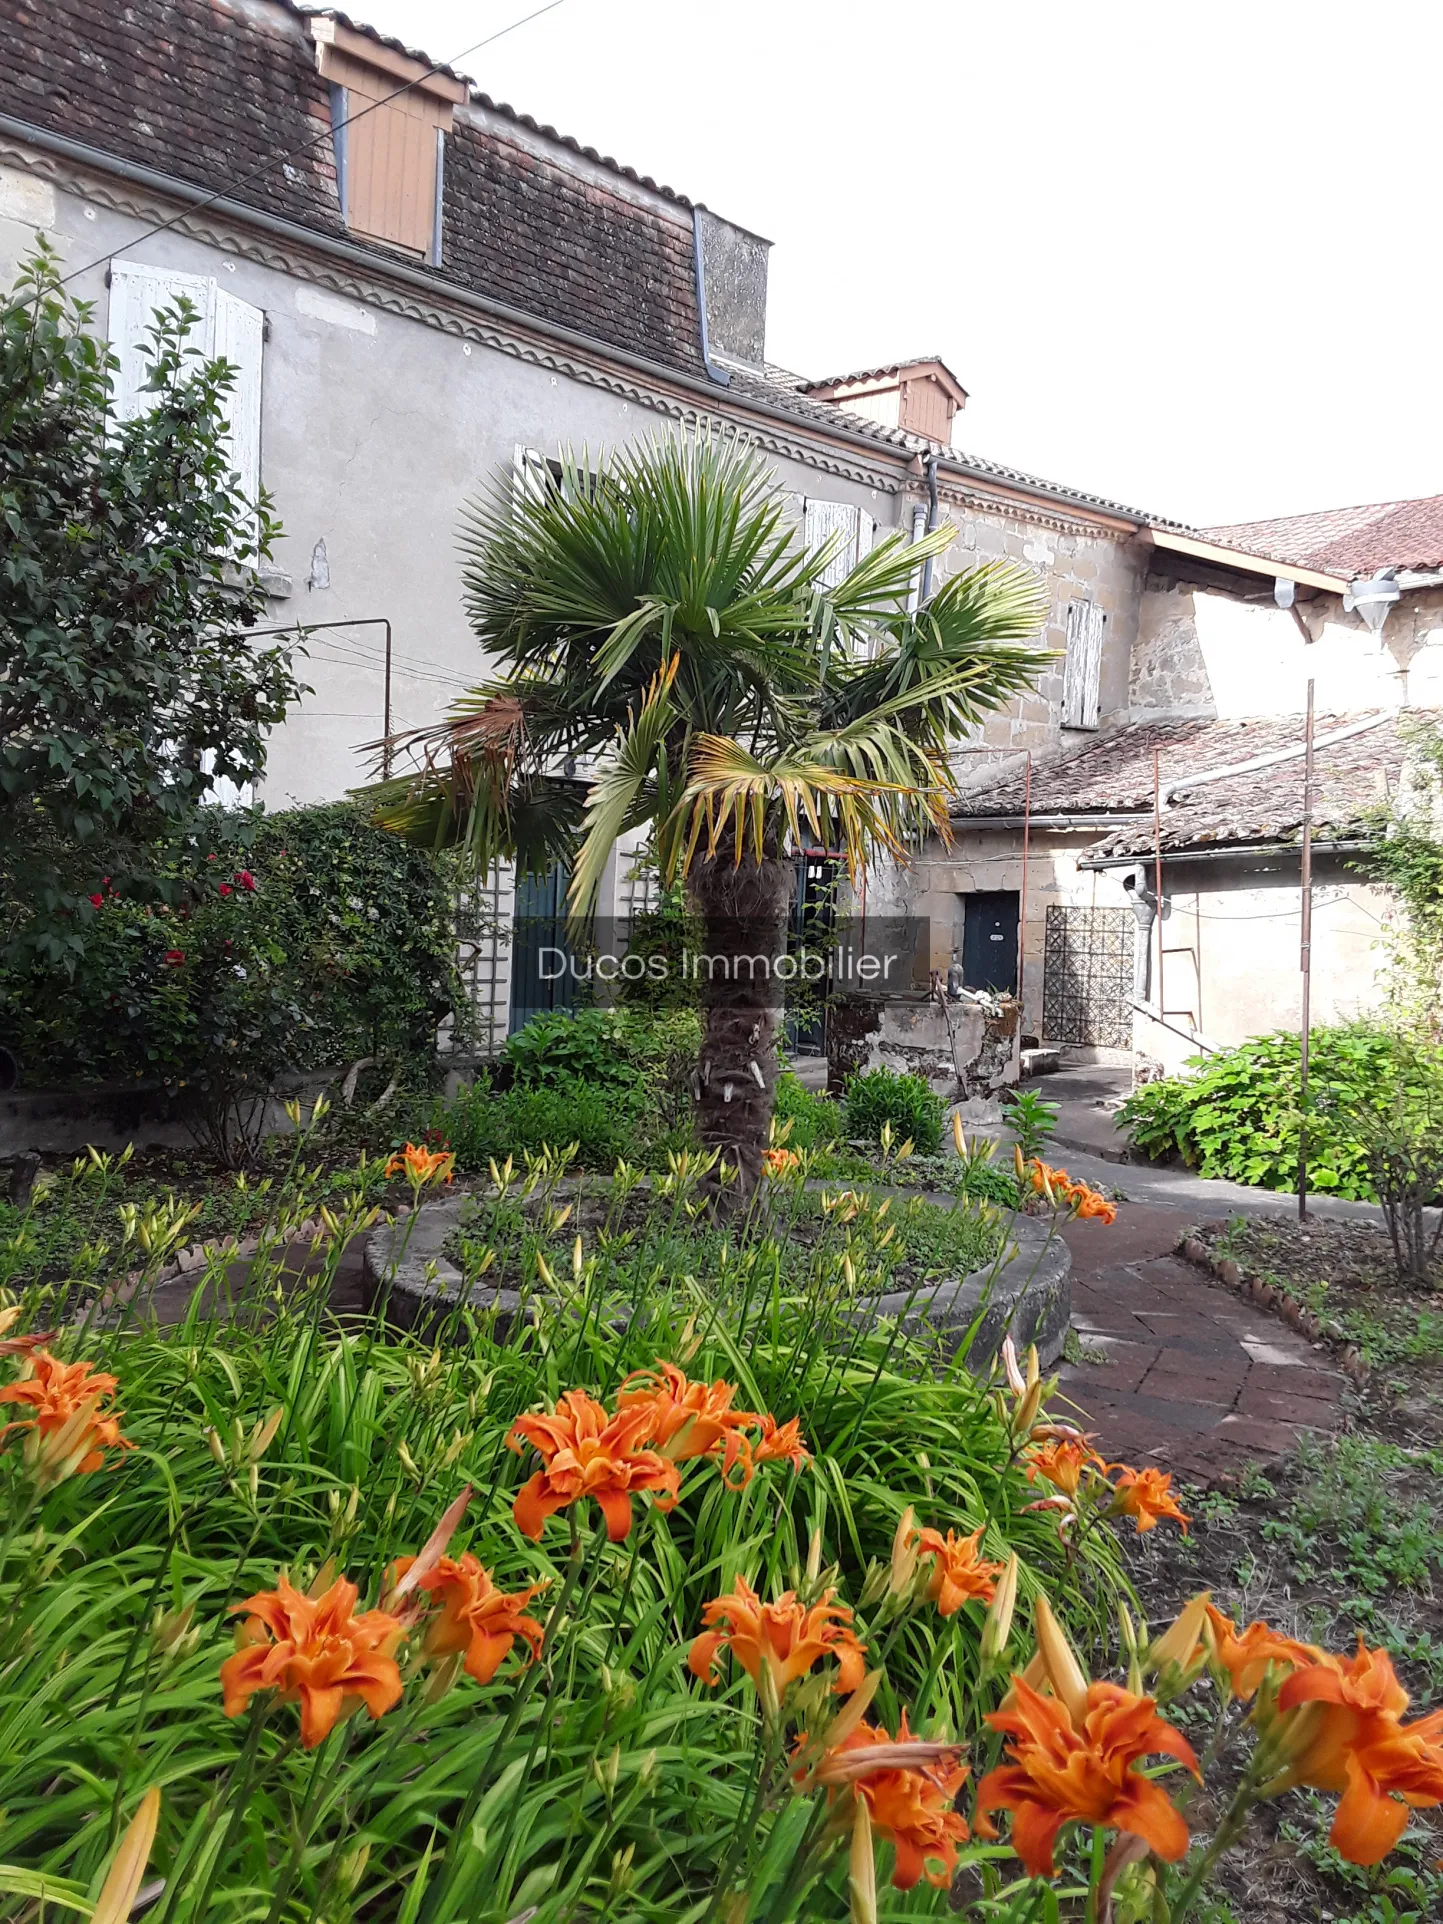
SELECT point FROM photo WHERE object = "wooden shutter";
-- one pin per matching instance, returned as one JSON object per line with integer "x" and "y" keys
{"x": 389, "y": 149}
{"x": 530, "y": 475}
{"x": 238, "y": 335}
{"x": 137, "y": 294}
{"x": 1082, "y": 671}
{"x": 820, "y": 522}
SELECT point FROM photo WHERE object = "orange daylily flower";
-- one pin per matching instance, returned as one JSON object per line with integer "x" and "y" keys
{"x": 313, "y": 1651}
{"x": 20, "y": 1345}
{"x": 1058, "y": 1187}
{"x": 959, "y": 1574}
{"x": 1062, "y": 1461}
{"x": 1145, "y": 1495}
{"x": 588, "y": 1452}
{"x": 777, "y": 1162}
{"x": 474, "y": 1616}
{"x": 687, "y": 1419}
{"x": 1065, "y": 1770}
{"x": 779, "y": 1443}
{"x": 69, "y": 1431}
{"x": 420, "y": 1165}
{"x": 908, "y": 1788}
{"x": 786, "y": 1636}
{"x": 1353, "y": 1741}
{"x": 1247, "y": 1654}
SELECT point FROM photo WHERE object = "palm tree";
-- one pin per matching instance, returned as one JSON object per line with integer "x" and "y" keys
{"x": 660, "y": 625}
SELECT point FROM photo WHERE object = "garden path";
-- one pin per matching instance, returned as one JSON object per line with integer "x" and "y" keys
{"x": 1191, "y": 1378}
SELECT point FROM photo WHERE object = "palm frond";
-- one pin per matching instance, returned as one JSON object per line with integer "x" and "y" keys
{"x": 616, "y": 786}
{"x": 731, "y": 796}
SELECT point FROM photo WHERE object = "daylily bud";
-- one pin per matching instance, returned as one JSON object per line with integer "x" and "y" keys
{"x": 621, "y": 1872}
{"x": 353, "y": 1867}
{"x": 1027, "y": 1410}
{"x": 1016, "y": 1382}
{"x": 997, "y": 1625}
{"x": 214, "y": 1445}
{"x": 814, "y": 1556}
{"x": 862, "y": 1866}
{"x": 442, "y": 1678}
{"x": 1017, "y": 1161}
{"x": 408, "y": 1462}
{"x": 1064, "y": 1672}
{"x": 958, "y": 1138}
{"x": 576, "y": 1260}
{"x": 263, "y": 1435}
{"x": 850, "y": 1716}
{"x": 1180, "y": 1644}
{"x": 904, "y": 1555}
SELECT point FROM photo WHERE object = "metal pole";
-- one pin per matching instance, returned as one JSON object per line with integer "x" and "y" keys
{"x": 1305, "y": 960}
{"x": 1022, "y": 900}
{"x": 1157, "y": 872}
{"x": 386, "y": 714}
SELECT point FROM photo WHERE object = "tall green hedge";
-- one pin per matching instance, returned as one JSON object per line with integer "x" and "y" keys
{"x": 307, "y": 939}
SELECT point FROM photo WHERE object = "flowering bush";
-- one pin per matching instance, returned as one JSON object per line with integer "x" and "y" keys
{"x": 688, "y": 1598}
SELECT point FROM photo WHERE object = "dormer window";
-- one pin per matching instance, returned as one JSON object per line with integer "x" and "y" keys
{"x": 921, "y": 397}
{"x": 389, "y": 157}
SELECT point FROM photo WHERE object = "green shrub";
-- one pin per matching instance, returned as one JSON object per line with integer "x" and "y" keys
{"x": 564, "y": 1045}
{"x": 914, "y": 1110}
{"x": 608, "y": 1124}
{"x": 816, "y": 1120}
{"x": 1239, "y": 1116}
{"x": 316, "y": 940}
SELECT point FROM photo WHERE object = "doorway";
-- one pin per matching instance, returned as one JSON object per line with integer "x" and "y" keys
{"x": 989, "y": 940}
{"x": 545, "y": 974}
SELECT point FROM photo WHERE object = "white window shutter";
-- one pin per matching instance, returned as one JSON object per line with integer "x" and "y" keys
{"x": 822, "y": 520}
{"x": 1082, "y": 670}
{"x": 866, "y": 533}
{"x": 137, "y": 294}
{"x": 238, "y": 335}
{"x": 530, "y": 475}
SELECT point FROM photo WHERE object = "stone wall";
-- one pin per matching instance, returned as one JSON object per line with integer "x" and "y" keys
{"x": 1079, "y": 561}
{"x": 1205, "y": 654}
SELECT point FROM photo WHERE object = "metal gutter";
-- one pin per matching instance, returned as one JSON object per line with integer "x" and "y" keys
{"x": 436, "y": 289}
{"x": 1117, "y": 818}
{"x": 101, "y": 162}
{"x": 1218, "y": 852}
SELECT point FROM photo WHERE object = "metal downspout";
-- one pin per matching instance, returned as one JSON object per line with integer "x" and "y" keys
{"x": 930, "y": 465}
{"x": 713, "y": 372}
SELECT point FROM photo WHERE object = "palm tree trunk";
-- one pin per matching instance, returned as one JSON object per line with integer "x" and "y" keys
{"x": 744, "y": 912}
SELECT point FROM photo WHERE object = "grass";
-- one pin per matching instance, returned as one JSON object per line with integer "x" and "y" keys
{"x": 604, "y": 1782}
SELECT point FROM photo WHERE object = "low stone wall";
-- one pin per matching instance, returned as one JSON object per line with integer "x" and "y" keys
{"x": 40, "y": 1122}
{"x": 1029, "y": 1296}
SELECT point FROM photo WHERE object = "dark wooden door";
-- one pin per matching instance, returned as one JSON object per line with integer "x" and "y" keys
{"x": 544, "y": 971}
{"x": 989, "y": 940}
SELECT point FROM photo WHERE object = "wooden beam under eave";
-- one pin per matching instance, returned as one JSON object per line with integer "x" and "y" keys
{"x": 1233, "y": 558}
{"x": 329, "y": 35}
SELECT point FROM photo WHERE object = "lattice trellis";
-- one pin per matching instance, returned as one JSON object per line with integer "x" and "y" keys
{"x": 1087, "y": 976}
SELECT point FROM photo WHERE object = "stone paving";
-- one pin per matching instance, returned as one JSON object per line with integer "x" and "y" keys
{"x": 1195, "y": 1380}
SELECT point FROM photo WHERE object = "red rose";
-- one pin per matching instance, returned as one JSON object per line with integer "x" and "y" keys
{"x": 97, "y": 901}
{"x": 174, "y": 958}
{"x": 226, "y": 889}
{"x": 246, "y": 880}
{"x": 105, "y": 881}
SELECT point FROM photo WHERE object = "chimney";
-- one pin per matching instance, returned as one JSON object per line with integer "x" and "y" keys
{"x": 732, "y": 271}
{"x": 921, "y": 396}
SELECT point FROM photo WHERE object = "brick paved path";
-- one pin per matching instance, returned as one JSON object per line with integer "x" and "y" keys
{"x": 1195, "y": 1380}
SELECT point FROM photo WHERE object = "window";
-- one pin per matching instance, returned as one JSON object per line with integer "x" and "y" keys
{"x": 390, "y": 119}
{"x": 1082, "y": 671}
{"x": 821, "y": 520}
{"x": 223, "y": 325}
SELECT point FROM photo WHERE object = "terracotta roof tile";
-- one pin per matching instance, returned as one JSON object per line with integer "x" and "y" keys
{"x": 1114, "y": 775}
{"x": 1347, "y": 541}
{"x": 213, "y": 96}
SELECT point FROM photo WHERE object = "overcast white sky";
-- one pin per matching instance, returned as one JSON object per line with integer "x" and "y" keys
{"x": 1181, "y": 254}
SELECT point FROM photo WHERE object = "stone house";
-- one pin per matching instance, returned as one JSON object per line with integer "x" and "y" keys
{"x": 1199, "y": 778}
{"x": 423, "y": 288}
